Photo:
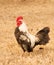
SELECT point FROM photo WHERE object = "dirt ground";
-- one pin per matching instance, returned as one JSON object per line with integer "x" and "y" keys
{"x": 37, "y": 14}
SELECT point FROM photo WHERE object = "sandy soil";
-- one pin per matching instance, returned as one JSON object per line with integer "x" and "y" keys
{"x": 37, "y": 14}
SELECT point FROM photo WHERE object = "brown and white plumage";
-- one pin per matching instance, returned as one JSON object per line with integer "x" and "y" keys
{"x": 23, "y": 28}
{"x": 27, "y": 40}
{"x": 23, "y": 40}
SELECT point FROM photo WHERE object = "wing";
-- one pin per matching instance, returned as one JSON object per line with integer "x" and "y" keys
{"x": 23, "y": 40}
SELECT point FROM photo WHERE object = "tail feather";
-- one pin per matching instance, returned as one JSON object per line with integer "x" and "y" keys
{"x": 44, "y": 31}
{"x": 43, "y": 36}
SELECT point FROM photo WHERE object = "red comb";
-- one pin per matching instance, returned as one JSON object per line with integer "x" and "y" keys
{"x": 19, "y": 18}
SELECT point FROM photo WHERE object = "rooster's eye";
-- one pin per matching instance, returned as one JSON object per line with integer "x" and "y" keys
{"x": 19, "y": 23}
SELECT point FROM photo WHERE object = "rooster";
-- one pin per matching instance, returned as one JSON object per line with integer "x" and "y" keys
{"x": 25, "y": 39}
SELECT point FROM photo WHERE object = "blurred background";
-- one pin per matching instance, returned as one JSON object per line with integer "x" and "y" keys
{"x": 37, "y": 14}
